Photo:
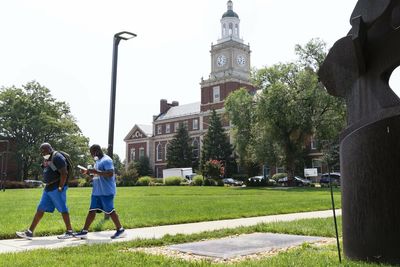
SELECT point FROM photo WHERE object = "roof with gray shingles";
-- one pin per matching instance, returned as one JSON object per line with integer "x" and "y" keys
{"x": 180, "y": 111}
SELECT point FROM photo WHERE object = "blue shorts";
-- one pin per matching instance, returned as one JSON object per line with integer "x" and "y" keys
{"x": 102, "y": 203}
{"x": 54, "y": 200}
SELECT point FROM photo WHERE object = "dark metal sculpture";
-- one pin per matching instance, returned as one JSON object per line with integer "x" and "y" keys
{"x": 358, "y": 68}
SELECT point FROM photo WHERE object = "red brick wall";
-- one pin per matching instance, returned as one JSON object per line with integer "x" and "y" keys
{"x": 137, "y": 147}
{"x": 225, "y": 90}
{"x": 172, "y": 126}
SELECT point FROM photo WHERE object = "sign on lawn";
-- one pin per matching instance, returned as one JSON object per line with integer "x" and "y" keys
{"x": 312, "y": 172}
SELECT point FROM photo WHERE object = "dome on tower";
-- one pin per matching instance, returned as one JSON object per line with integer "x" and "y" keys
{"x": 230, "y": 13}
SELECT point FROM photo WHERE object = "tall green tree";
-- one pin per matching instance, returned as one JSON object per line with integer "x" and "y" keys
{"x": 143, "y": 166}
{"x": 239, "y": 106}
{"x": 32, "y": 116}
{"x": 216, "y": 145}
{"x": 294, "y": 106}
{"x": 179, "y": 151}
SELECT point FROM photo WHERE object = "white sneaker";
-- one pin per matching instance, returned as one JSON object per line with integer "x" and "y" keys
{"x": 25, "y": 234}
{"x": 66, "y": 235}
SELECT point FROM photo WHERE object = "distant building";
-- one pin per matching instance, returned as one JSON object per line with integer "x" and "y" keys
{"x": 230, "y": 70}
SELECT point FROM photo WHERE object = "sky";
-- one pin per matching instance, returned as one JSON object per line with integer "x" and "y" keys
{"x": 66, "y": 46}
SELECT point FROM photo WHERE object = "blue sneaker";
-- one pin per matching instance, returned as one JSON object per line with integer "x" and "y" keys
{"x": 82, "y": 234}
{"x": 119, "y": 233}
{"x": 25, "y": 234}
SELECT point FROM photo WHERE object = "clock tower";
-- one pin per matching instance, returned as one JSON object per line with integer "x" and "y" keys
{"x": 230, "y": 64}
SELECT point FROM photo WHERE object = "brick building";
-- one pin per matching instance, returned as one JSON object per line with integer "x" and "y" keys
{"x": 230, "y": 70}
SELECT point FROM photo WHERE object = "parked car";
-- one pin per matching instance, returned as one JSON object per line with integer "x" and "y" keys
{"x": 260, "y": 179}
{"x": 231, "y": 181}
{"x": 297, "y": 181}
{"x": 335, "y": 176}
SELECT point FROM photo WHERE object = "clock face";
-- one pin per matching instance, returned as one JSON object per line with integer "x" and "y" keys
{"x": 221, "y": 60}
{"x": 241, "y": 60}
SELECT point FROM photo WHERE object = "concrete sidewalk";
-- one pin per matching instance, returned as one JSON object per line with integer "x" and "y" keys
{"x": 51, "y": 242}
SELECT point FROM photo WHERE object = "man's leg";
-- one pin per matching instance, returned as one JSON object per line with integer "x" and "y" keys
{"x": 115, "y": 219}
{"x": 67, "y": 221}
{"x": 36, "y": 219}
{"x": 89, "y": 219}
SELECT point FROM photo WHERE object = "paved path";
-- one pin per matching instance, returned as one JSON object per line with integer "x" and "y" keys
{"x": 50, "y": 242}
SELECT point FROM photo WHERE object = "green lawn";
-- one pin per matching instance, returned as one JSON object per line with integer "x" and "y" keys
{"x": 117, "y": 254}
{"x": 149, "y": 206}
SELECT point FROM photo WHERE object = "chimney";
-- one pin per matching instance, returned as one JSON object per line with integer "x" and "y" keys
{"x": 163, "y": 106}
{"x": 175, "y": 103}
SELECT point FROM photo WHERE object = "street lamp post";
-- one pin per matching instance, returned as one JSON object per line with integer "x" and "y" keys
{"x": 117, "y": 38}
{"x": 4, "y": 164}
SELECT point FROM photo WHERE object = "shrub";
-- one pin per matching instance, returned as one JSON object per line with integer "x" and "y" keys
{"x": 209, "y": 182}
{"x": 144, "y": 181}
{"x": 126, "y": 181}
{"x": 198, "y": 180}
{"x": 157, "y": 180}
{"x": 173, "y": 180}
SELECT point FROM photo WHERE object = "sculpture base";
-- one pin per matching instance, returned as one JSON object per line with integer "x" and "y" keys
{"x": 370, "y": 167}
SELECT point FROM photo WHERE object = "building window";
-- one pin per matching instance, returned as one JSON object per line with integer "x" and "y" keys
{"x": 195, "y": 145}
{"x": 141, "y": 152}
{"x": 167, "y": 128}
{"x": 166, "y": 150}
{"x": 314, "y": 143}
{"x": 159, "y": 129}
{"x": 133, "y": 154}
{"x": 159, "y": 152}
{"x": 230, "y": 28}
{"x": 216, "y": 94}
{"x": 195, "y": 124}
{"x": 236, "y": 29}
{"x": 280, "y": 169}
{"x": 176, "y": 127}
{"x": 224, "y": 30}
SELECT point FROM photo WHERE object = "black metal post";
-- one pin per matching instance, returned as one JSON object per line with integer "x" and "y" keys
{"x": 4, "y": 164}
{"x": 334, "y": 215}
{"x": 117, "y": 39}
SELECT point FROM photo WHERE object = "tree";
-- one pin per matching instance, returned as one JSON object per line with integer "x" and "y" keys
{"x": 294, "y": 106}
{"x": 239, "y": 106}
{"x": 216, "y": 144}
{"x": 32, "y": 116}
{"x": 143, "y": 166}
{"x": 180, "y": 150}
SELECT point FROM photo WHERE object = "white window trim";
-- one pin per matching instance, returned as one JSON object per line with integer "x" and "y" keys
{"x": 158, "y": 149}
{"x": 159, "y": 129}
{"x": 195, "y": 126}
{"x": 216, "y": 89}
{"x": 141, "y": 151}
{"x": 133, "y": 154}
{"x": 167, "y": 128}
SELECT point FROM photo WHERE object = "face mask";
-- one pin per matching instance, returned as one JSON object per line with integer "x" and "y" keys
{"x": 46, "y": 157}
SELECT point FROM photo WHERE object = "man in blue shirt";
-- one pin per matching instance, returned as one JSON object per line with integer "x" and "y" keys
{"x": 103, "y": 192}
{"x": 54, "y": 195}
